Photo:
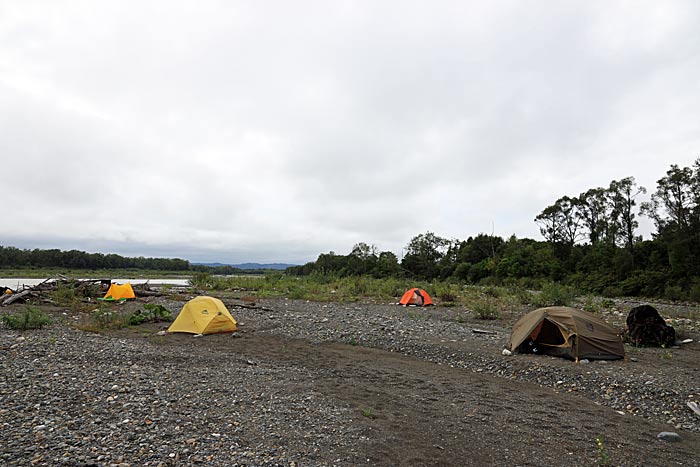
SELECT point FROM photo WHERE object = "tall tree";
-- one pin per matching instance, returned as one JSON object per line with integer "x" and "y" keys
{"x": 673, "y": 203}
{"x": 622, "y": 195}
{"x": 560, "y": 222}
{"x": 550, "y": 223}
{"x": 593, "y": 212}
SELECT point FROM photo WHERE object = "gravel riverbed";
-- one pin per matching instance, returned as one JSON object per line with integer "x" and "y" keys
{"x": 320, "y": 384}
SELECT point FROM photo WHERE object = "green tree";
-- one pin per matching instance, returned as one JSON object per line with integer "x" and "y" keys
{"x": 423, "y": 253}
{"x": 672, "y": 204}
{"x": 622, "y": 195}
{"x": 593, "y": 212}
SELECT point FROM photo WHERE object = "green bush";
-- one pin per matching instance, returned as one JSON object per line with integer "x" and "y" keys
{"x": 31, "y": 318}
{"x": 694, "y": 294}
{"x": 485, "y": 309}
{"x": 674, "y": 292}
{"x": 152, "y": 313}
{"x": 64, "y": 295}
{"x": 554, "y": 294}
{"x": 201, "y": 280}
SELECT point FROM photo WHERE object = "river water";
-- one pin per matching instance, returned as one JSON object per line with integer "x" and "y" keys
{"x": 18, "y": 282}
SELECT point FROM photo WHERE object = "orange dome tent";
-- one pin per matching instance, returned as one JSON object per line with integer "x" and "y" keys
{"x": 417, "y": 297}
{"x": 118, "y": 292}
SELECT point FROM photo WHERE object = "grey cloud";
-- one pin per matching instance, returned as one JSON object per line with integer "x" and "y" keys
{"x": 277, "y": 131}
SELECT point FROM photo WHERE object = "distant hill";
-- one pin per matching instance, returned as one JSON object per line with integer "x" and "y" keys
{"x": 279, "y": 266}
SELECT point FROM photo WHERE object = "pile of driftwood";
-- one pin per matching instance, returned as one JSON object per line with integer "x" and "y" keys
{"x": 79, "y": 288}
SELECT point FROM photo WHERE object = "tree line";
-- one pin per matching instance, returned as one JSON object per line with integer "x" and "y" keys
{"x": 590, "y": 241}
{"x": 12, "y": 257}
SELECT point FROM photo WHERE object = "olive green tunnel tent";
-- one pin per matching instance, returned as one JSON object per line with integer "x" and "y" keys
{"x": 566, "y": 332}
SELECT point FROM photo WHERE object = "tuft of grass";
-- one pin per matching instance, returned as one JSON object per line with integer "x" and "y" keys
{"x": 666, "y": 354}
{"x": 102, "y": 319}
{"x": 591, "y": 305}
{"x": 367, "y": 412}
{"x": 486, "y": 309}
{"x": 31, "y": 318}
{"x": 603, "y": 455}
{"x": 415, "y": 314}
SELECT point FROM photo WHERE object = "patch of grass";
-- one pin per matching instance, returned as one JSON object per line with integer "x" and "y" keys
{"x": 415, "y": 314}
{"x": 486, "y": 309}
{"x": 31, "y": 318}
{"x": 66, "y": 295}
{"x": 353, "y": 341}
{"x": 102, "y": 319}
{"x": 591, "y": 305}
{"x": 367, "y": 412}
{"x": 158, "y": 340}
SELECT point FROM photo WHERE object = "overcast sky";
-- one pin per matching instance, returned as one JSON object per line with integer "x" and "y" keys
{"x": 268, "y": 131}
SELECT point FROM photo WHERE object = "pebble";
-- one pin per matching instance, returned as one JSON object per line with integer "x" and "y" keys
{"x": 669, "y": 436}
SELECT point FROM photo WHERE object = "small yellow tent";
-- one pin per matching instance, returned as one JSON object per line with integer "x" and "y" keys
{"x": 119, "y": 292}
{"x": 204, "y": 315}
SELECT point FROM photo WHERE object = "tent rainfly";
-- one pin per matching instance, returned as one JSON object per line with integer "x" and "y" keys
{"x": 204, "y": 315}
{"x": 417, "y": 297}
{"x": 566, "y": 332}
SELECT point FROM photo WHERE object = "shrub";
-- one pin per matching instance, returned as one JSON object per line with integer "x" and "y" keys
{"x": 64, "y": 295}
{"x": 485, "y": 309}
{"x": 674, "y": 292}
{"x": 694, "y": 294}
{"x": 201, "y": 280}
{"x": 31, "y": 318}
{"x": 554, "y": 294}
{"x": 152, "y": 313}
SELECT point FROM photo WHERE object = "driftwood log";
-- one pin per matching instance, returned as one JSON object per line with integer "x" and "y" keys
{"x": 42, "y": 289}
{"x": 10, "y": 298}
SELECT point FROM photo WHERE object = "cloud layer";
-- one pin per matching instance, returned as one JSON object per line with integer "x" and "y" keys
{"x": 274, "y": 131}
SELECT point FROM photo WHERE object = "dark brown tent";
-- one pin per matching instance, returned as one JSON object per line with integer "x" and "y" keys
{"x": 566, "y": 332}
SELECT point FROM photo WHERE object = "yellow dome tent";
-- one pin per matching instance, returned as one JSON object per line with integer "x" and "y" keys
{"x": 204, "y": 315}
{"x": 119, "y": 292}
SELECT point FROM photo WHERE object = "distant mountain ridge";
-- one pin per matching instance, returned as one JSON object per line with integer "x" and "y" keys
{"x": 279, "y": 266}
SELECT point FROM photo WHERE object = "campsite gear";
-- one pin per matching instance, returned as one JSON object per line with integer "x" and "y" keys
{"x": 204, "y": 315}
{"x": 646, "y": 327}
{"x": 417, "y": 297}
{"x": 566, "y": 332}
{"x": 119, "y": 292}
